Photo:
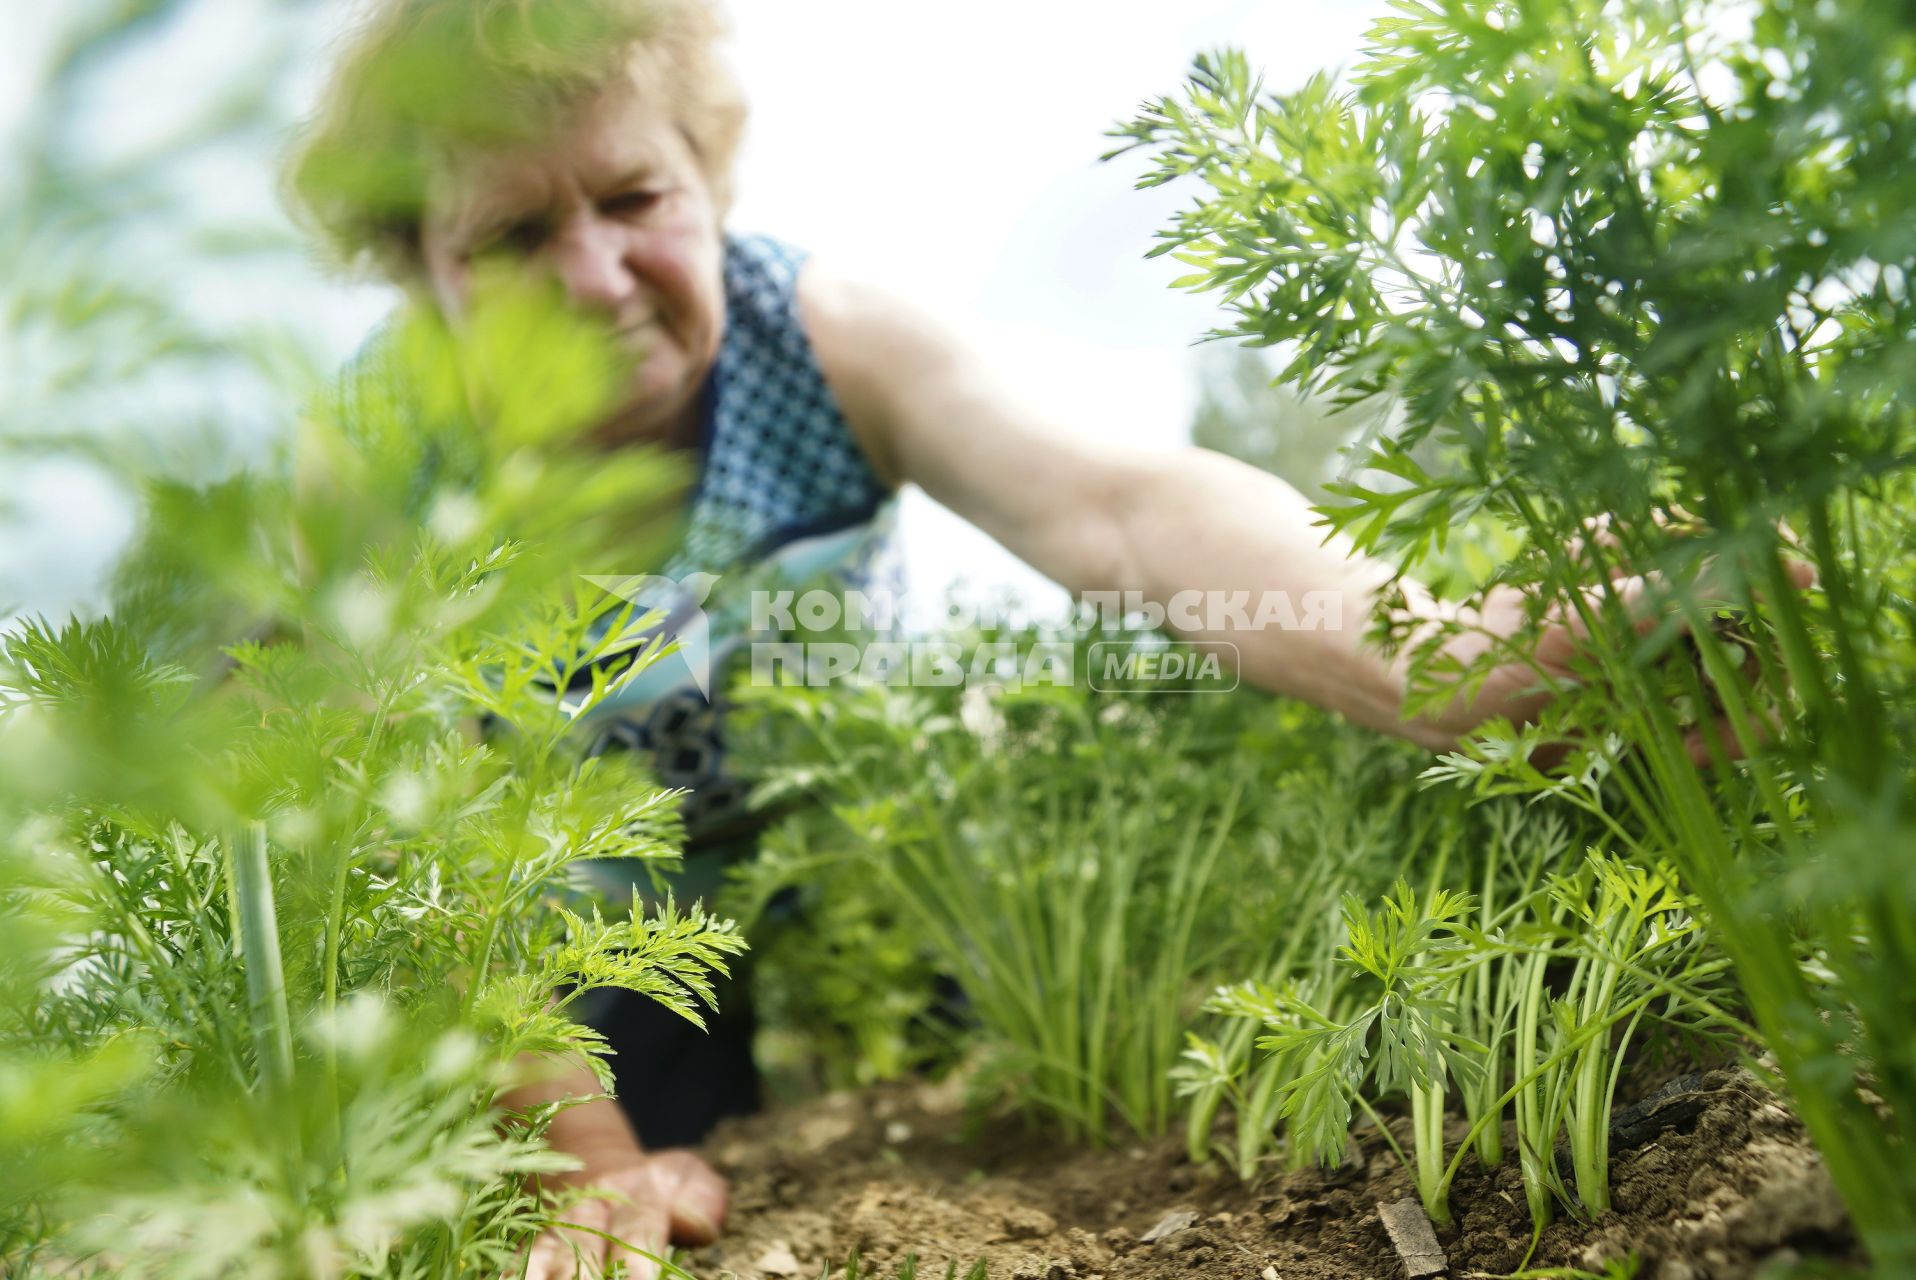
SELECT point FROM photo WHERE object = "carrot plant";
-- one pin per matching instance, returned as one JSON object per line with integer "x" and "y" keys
{"x": 1082, "y": 866}
{"x": 1438, "y": 991}
{"x": 844, "y": 988}
{"x": 277, "y": 925}
{"x": 1638, "y": 272}
{"x": 1517, "y": 850}
{"x": 1632, "y": 921}
{"x": 1394, "y": 1031}
{"x": 1345, "y": 822}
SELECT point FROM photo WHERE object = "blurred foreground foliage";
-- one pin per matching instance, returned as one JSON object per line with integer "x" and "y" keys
{"x": 280, "y": 926}
{"x": 153, "y": 297}
{"x": 276, "y": 925}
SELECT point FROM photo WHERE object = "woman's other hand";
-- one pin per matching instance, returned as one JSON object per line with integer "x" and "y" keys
{"x": 634, "y": 1208}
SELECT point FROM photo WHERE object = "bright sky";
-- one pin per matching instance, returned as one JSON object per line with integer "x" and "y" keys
{"x": 961, "y": 157}
{"x": 950, "y": 153}
{"x": 955, "y": 158}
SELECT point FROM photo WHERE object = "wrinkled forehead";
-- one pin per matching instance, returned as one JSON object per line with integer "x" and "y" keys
{"x": 609, "y": 141}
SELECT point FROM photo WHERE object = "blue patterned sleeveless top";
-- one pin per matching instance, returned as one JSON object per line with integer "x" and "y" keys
{"x": 777, "y": 464}
{"x": 785, "y": 494}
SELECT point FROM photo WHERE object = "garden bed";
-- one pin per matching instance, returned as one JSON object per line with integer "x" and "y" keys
{"x": 1715, "y": 1179}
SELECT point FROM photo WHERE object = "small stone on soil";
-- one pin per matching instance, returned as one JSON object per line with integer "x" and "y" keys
{"x": 779, "y": 1260}
{"x": 1026, "y": 1223}
{"x": 1170, "y": 1224}
{"x": 1416, "y": 1243}
{"x": 816, "y": 1132}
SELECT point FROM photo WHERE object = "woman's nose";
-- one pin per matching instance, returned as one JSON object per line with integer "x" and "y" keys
{"x": 587, "y": 253}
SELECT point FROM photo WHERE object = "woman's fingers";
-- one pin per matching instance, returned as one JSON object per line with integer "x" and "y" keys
{"x": 566, "y": 1254}
{"x": 1600, "y": 531}
{"x": 629, "y": 1218}
{"x": 696, "y": 1195}
{"x": 1596, "y": 532}
{"x": 1565, "y": 633}
{"x": 1647, "y": 601}
{"x": 1719, "y": 730}
{"x": 1700, "y": 739}
{"x": 640, "y": 1232}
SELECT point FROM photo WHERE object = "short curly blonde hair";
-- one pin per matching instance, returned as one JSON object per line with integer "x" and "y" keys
{"x": 423, "y": 79}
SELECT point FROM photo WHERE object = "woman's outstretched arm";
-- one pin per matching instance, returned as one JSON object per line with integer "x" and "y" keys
{"x": 1194, "y": 532}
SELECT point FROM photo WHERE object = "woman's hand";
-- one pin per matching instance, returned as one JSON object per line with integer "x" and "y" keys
{"x": 635, "y": 1203}
{"x": 1512, "y": 690}
{"x": 636, "y": 1206}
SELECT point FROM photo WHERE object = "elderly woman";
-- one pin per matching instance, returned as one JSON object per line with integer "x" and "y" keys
{"x": 593, "y": 140}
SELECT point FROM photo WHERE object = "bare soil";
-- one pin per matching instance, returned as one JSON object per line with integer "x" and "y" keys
{"x": 1713, "y": 1180}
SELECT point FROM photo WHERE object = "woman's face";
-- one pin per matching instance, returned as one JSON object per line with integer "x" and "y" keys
{"x": 616, "y": 208}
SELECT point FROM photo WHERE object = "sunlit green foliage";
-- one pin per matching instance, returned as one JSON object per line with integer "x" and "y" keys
{"x": 126, "y": 262}
{"x": 1644, "y": 262}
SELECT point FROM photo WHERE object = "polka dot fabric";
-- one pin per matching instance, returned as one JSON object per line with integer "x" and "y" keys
{"x": 779, "y": 463}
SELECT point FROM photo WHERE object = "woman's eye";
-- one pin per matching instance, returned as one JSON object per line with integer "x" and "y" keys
{"x": 629, "y": 203}
{"x": 520, "y": 238}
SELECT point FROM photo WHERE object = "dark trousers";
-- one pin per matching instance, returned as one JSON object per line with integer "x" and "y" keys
{"x": 674, "y": 1080}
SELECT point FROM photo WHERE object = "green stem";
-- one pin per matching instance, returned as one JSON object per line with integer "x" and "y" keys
{"x": 252, "y": 889}
{"x": 1427, "y": 1132}
{"x": 1531, "y": 1139}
